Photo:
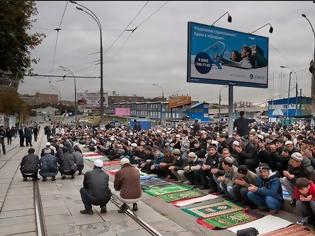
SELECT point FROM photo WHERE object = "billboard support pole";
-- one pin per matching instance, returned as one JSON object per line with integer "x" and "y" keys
{"x": 230, "y": 123}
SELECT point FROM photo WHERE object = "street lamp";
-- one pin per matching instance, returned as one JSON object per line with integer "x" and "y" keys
{"x": 296, "y": 85}
{"x": 92, "y": 14}
{"x": 224, "y": 86}
{"x": 229, "y": 18}
{"x": 162, "y": 98}
{"x": 270, "y": 28}
{"x": 313, "y": 72}
{"x": 75, "y": 91}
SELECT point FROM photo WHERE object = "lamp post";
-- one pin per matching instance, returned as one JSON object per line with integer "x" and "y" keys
{"x": 313, "y": 72}
{"x": 162, "y": 99}
{"x": 229, "y": 18}
{"x": 92, "y": 14}
{"x": 270, "y": 28}
{"x": 75, "y": 91}
{"x": 59, "y": 95}
{"x": 296, "y": 85}
{"x": 220, "y": 101}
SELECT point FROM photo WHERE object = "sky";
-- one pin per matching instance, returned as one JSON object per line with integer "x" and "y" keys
{"x": 156, "y": 52}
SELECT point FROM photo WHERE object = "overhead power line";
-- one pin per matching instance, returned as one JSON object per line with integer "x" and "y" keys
{"x": 122, "y": 32}
{"x": 153, "y": 13}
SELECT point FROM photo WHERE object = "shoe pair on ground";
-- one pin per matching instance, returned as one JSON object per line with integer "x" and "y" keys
{"x": 52, "y": 179}
{"x": 64, "y": 177}
{"x": 122, "y": 209}
{"x": 34, "y": 179}
{"x": 90, "y": 211}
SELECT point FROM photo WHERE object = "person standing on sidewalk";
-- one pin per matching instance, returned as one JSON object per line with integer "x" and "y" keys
{"x": 21, "y": 135}
{"x": 2, "y": 135}
{"x": 8, "y": 134}
{"x": 95, "y": 190}
{"x": 28, "y": 136}
{"x": 35, "y": 131}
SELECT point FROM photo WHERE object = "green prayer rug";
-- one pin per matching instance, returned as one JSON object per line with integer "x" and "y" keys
{"x": 226, "y": 220}
{"x": 214, "y": 209}
{"x": 157, "y": 191}
{"x": 171, "y": 197}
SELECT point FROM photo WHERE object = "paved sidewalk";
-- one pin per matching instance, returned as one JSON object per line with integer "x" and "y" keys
{"x": 17, "y": 215}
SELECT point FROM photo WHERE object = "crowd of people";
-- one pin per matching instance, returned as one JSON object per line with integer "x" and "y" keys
{"x": 252, "y": 166}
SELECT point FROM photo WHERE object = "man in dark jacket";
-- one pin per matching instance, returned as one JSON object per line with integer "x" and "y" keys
{"x": 48, "y": 165}
{"x": 29, "y": 165}
{"x": 177, "y": 168}
{"x": 242, "y": 124}
{"x": 246, "y": 154}
{"x": 78, "y": 157}
{"x": 95, "y": 190}
{"x": 67, "y": 164}
{"x": 212, "y": 161}
{"x": 28, "y": 136}
{"x": 21, "y": 135}
{"x": 127, "y": 181}
{"x": 2, "y": 135}
{"x": 35, "y": 131}
{"x": 268, "y": 192}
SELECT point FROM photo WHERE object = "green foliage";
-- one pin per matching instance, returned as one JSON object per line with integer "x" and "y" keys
{"x": 16, "y": 42}
{"x": 11, "y": 103}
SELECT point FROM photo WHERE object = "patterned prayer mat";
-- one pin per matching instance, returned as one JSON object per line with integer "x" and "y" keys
{"x": 112, "y": 163}
{"x": 226, "y": 220}
{"x": 152, "y": 185}
{"x": 293, "y": 230}
{"x": 186, "y": 202}
{"x": 112, "y": 172}
{"x": 152, "y": 180}
{"x": 171, "y": 197}
{"x": 213, "y": 209}
{"x": 157, "y": 191}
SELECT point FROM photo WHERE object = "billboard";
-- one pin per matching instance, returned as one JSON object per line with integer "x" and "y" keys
{"x": 179, "y": 101}
{"x": 91, "y": 100}
{"x": 120, "y": 111}
{"x": 222, "y": 56}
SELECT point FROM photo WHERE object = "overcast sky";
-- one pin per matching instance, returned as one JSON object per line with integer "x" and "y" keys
{"x": 157, "y": 51}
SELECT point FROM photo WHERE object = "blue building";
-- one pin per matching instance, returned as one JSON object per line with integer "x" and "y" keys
{"x": 294, "y": 107}
{"x": 199, "y": 111}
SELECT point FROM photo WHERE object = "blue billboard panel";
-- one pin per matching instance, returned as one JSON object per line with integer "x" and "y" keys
{"x": 221, "y": 56}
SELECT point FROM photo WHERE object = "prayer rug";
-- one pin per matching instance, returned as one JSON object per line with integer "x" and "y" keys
{"x": 112, "y": 172}
{"x": 160, "y": 185}
{"x": 226, "y": 220}
{"x": 264, "y": 225}
{"x": 186, "y": 202}
{"x": 152, "y": 180}
{"x": 214, "y": 209}
{"x": 111, "y": 163}
{"x": 91, "y": 154}
{"x": 157, "y": 191}
{"x": 171, "y": 197}
{"x": 293, "y": 230}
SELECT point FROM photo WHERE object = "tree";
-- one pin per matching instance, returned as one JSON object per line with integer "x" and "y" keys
{"x": 11, "y": 104}
{"x": 16, "y": 42}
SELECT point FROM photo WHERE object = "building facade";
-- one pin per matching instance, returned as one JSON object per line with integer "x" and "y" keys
{"x": 40, "y": 98}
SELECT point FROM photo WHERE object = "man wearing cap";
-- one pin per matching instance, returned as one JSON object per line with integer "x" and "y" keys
{"x": 127, "y": 181}
{"x": 67, "y": 164}
{"x": 177, "y": 168}
{"x": 47, "y": 147}
{"x": 191, "y": 169}
{"x": 78, "y": 157}
{"x": 291, "y": 148}
{"x": 95, "y": 190}
{"x": 211, "y": 161}
{"x": 295, "y": 170}
{"x": 48, "y": 165}
{"x": 29, "y": 165}
{"x": 158, "y": 159}
{"x": 267, "y": 194}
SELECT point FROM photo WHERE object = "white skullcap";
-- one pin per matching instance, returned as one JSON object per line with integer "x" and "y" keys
{"x": 177, "y": 136}
{"x": 192, "y": 154}
{"x": 236, "y": 143}
{"x": 124, "y": 161}
{"x": 98, "y": 163}
{"x": 134, "y": 145}
{"x": 288, "y": 142}
{"x": 47, "y": 144}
